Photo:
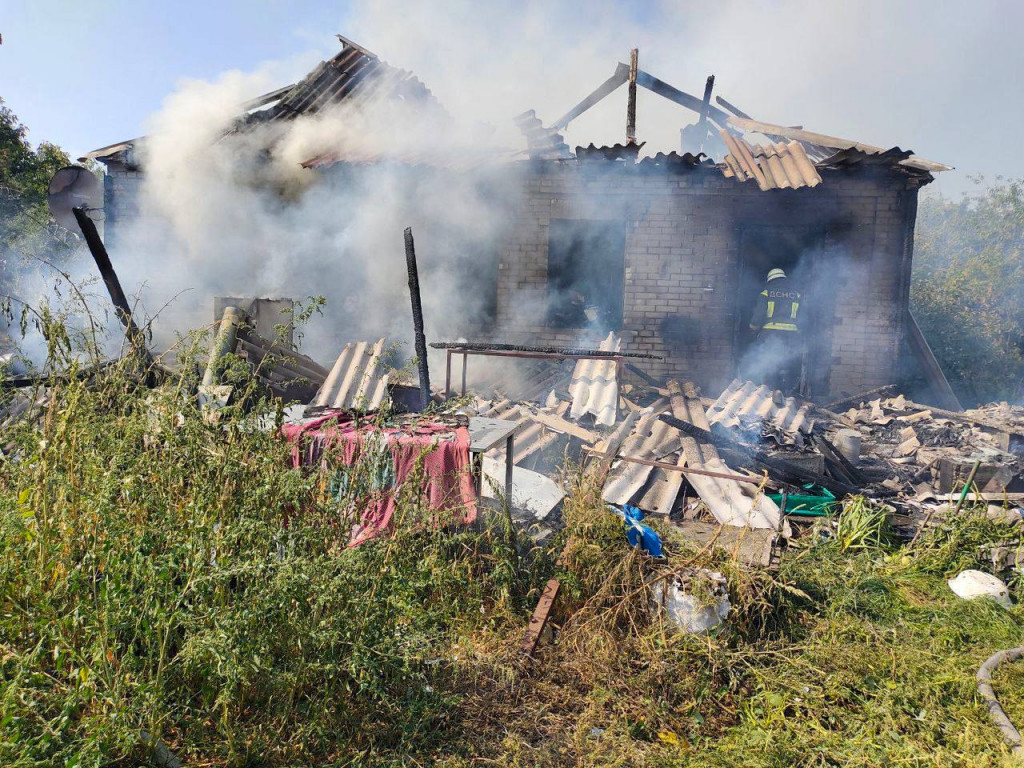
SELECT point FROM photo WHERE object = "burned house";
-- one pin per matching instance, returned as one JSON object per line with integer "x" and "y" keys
{"x": 670, "y": 250}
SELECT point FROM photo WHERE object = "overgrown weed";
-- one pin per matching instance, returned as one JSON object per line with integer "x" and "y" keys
{"x": 166, "y": 572}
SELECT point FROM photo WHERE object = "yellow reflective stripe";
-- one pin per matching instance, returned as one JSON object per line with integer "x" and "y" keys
{"x": 792, "y": 310}
{"x": 771, "y": 309}
{"x": 764, "y": 293}
{"x": 780, "y": 327}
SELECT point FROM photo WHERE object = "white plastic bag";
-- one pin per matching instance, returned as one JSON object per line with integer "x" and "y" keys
{"x": 972, "y": 584}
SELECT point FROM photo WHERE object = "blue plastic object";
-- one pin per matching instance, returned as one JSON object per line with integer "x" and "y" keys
{"x": 638, "y": 534}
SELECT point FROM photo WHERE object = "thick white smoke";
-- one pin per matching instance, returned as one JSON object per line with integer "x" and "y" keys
{"x": 225, "y": 212}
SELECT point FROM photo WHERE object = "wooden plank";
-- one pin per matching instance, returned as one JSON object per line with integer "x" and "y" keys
{"x": 631, "y": 100}
{"x": 930, "y": 366}
{"x": 682, "y": 98}
{"x": 539, "y": 619}
{"x": 565, "y": 426}
{"x": 609, "y": 85}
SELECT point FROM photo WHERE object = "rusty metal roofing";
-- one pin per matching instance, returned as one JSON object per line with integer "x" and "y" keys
{"x": 775, "y": 166}
{"x": 743, "y": 404}
{"x": 595, "y": 386}
{"x": 359, "y": 379}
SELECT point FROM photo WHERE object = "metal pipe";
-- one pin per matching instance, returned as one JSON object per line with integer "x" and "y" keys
{"x": 447, "y": 373}
{"x": 417, "y": 317}
{"x": 477, "y": 346}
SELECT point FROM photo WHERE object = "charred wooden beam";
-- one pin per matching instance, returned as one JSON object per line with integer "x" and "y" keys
{"x": 102, "y": 259}
{"x": 708, "y": 87}
{"x": 735, "y": 110}
{"x": 780, "y": 469}
{"x": 852, "y": 401}
{"x": 930, "y": 365}
{"x": 609, "y": 85}
{"x": 682, "y": 98}
{"x": 631, "y": 101}
{"x": 417, "y": 317}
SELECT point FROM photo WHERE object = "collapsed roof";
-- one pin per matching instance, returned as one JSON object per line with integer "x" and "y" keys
{"x": 790, "y": 158}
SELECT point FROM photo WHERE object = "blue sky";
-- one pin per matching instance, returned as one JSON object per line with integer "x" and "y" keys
{"x": 936, "y": 76}
{"x": 88, "y": 73}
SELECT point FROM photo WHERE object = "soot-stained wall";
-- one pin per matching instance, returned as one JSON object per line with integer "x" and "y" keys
{"x": 685, "y": 298}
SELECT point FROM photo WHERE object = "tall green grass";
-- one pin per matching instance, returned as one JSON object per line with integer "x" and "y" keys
{"x": 166, "y": 573}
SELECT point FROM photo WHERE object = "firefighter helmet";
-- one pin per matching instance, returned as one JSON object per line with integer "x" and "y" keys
{"x": 775, "y": 274}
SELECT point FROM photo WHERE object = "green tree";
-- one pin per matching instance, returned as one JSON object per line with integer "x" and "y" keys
{"x": 967, "y": 290}
{"x": 26, "y": 227}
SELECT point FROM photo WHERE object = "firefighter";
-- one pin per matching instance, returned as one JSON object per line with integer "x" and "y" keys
{"x": 776, "y": 357}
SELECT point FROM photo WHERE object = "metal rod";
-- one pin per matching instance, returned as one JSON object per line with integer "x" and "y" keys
{"x": 634, "y": 56}
{"x": 447, "y": 373}
{"x": 417, "y": 317}
{"x": 476, "y": 346}
{"x": 465, "y": 365}
{"x": 99, "y": 255}
{"x": 674, "y": 467}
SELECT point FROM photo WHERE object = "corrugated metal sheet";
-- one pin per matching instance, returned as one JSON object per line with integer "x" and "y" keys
{"x": 673, "y": 161}
{"x": 531, "y": 438}
{"x": 595, "y": 386}
{"x": 426, "y": 157}
{"x": 626, "y": 153}
{"x": 286, "y": 373}
{"x": 731, "y": 503}
{"x": 652, "y": 440}
{"x": 353, "y": 74}
{"x": 822, "y": 146}
{"x": 848, "y": 158}
{"x": 541, "y": 143}
{"x": 743, "y": 403}
{"x": 538, "y": 382}
{"x": 359, "y": 379}
{"x": 775, "y": 166}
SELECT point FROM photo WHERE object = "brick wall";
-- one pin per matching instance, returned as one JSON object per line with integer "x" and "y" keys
{"x": 683, "y": 234}
{"x": 121, "y": 185}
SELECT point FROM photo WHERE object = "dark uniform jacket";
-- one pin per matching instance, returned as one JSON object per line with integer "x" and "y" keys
{"x": 778, "y": 308}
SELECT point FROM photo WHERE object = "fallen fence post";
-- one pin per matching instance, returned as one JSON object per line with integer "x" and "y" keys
{"x": 417, "y": 317}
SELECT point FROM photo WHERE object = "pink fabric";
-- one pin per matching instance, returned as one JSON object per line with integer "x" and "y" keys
{"x": 334, "y": 439}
